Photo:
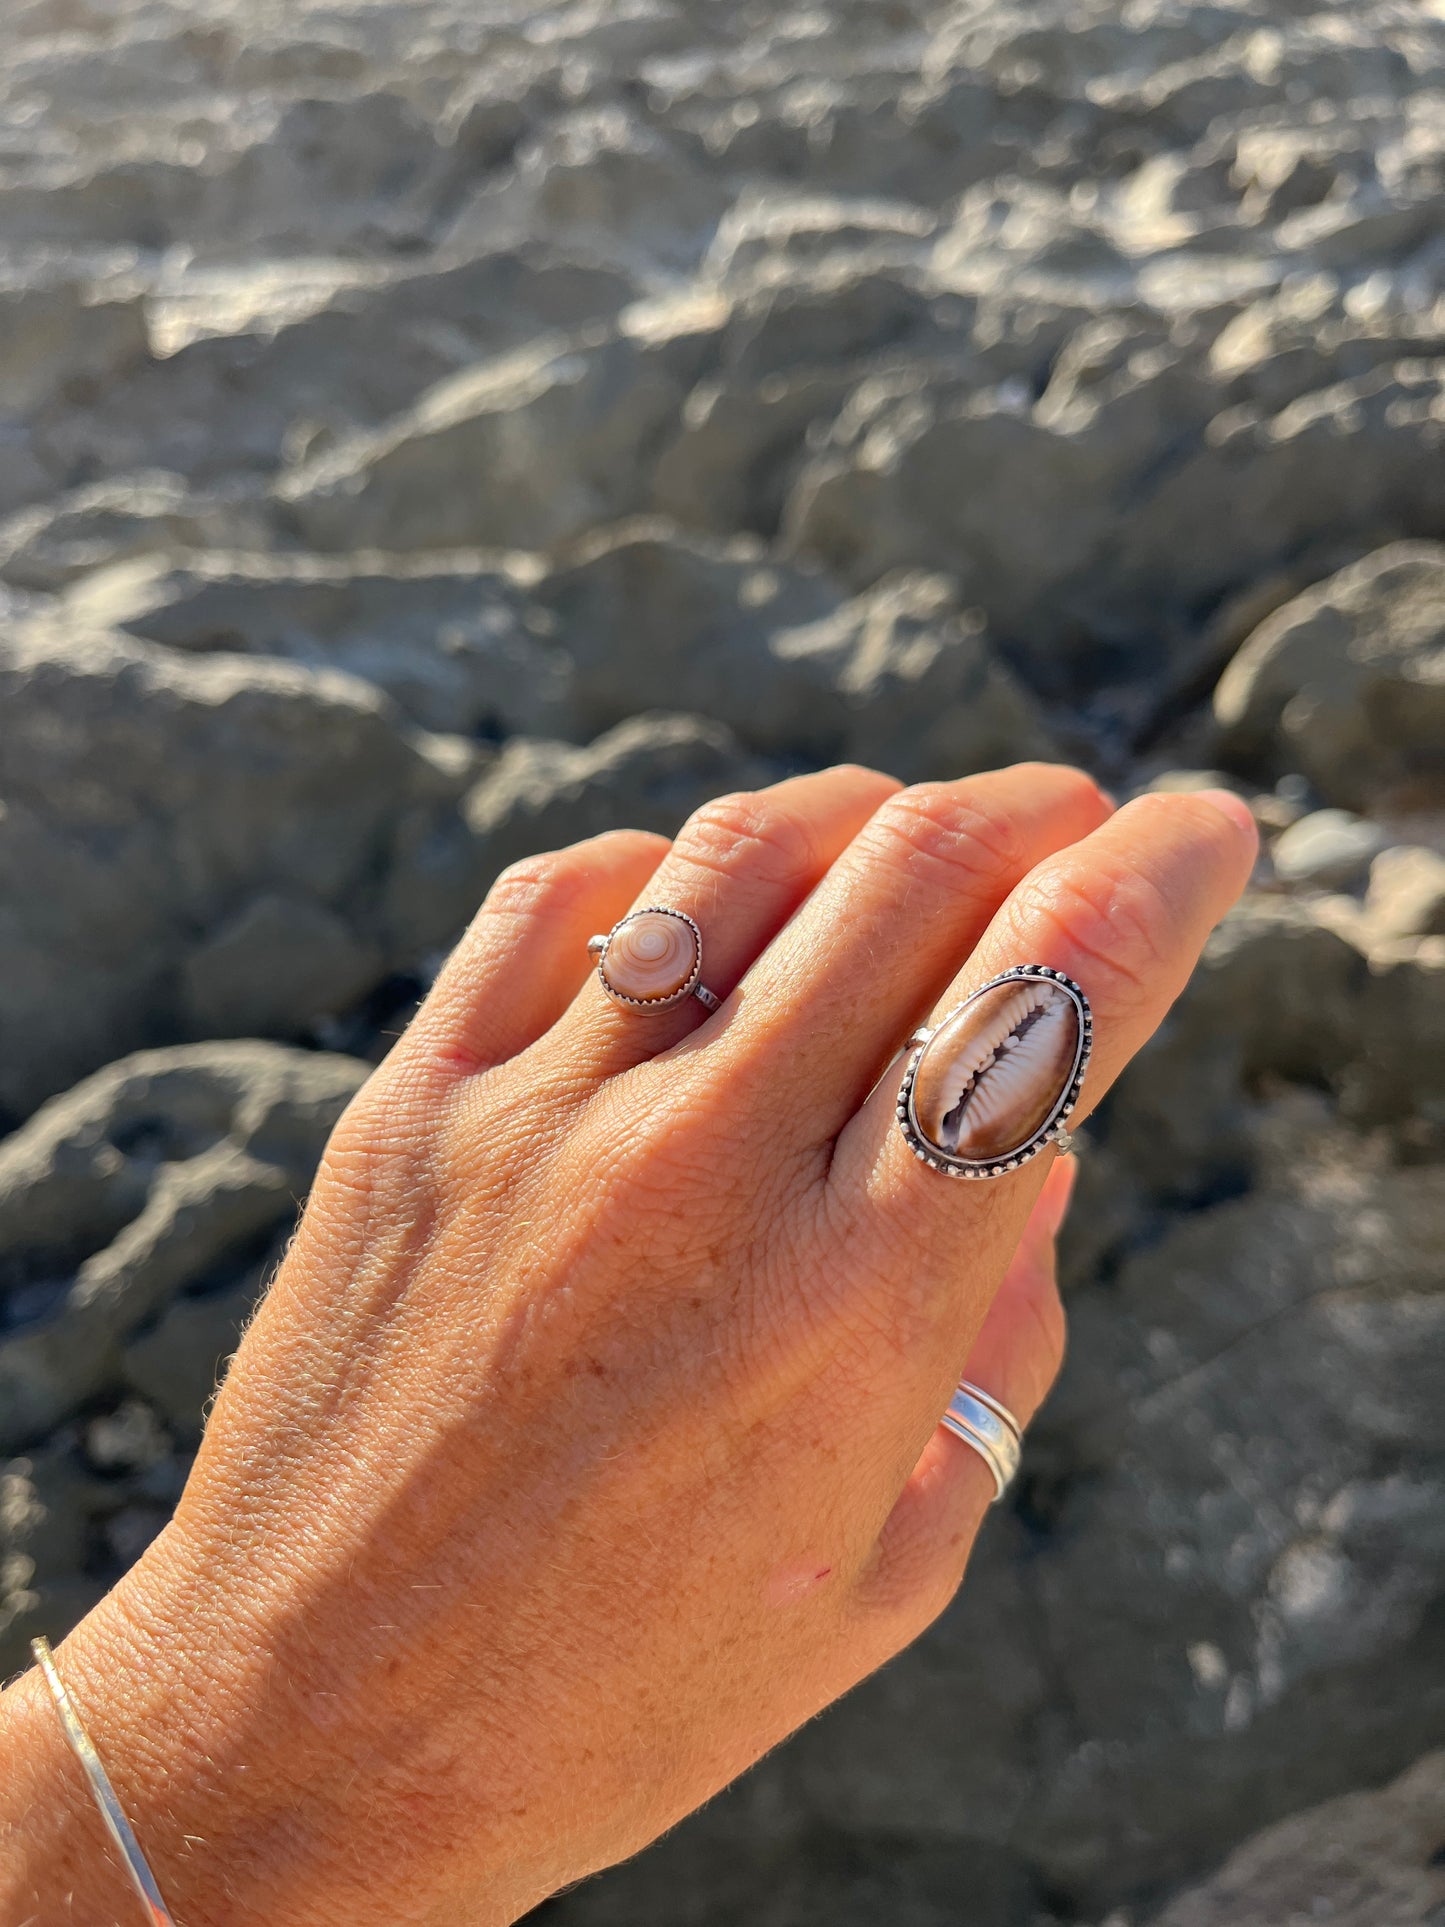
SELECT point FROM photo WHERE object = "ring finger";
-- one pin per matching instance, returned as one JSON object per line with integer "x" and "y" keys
{"x": 739, "y": 867}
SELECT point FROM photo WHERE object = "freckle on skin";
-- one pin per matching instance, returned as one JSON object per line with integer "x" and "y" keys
{"x": 794, "y": 1581}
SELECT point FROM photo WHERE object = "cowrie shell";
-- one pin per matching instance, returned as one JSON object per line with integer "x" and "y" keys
{"x": 999, "y": 1074}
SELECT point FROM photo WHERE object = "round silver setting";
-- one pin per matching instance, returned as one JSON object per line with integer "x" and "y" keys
{"x": 597, "y": 947}
{"x": 1053, "y": 1130}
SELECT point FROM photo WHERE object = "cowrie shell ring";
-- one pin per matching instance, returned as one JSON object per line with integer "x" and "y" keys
{"x": 995, "y": 1082}
{"x": 651, "y": 960}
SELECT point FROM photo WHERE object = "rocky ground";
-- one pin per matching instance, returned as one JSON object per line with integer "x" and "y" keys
{"x": 433, "y": 431}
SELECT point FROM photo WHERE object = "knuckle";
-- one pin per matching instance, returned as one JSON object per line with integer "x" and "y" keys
{"x": 748, "y": 832}
{"x": 924, "y": 1559}
{"x": 1159, "y": 809}
{"x": 1061, "y": 776}
{"x": 940, "y": 1569}
{"x": 1112, "y": 917}
{"x": 940, "y": 828}
{"x": 865, "y": 776}
{"x": 549, "y": 880}
{"x": 623, "y": 846}
{"x": 524, "y": 886}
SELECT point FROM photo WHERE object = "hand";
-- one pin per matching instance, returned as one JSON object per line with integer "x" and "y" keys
{"x": 586, "y": 1442}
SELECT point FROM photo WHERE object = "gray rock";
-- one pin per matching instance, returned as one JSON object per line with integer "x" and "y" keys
{"x": 739, "y": 445}
{"x": 246, "y": 400}
{"x": 159, "y": 1175}
{"x": 279, "y": 965}
{"x": 488, "y": 645}
{"x": 1268, "y": 1359}
{"x": 151, "y": 799}
{"x": 520, "y": 452}
{"x": 647, "y": 774}
{"x": 1328, "y": 848}
{"x": 452, "y": 641}
{"x": 1358, "y": 1861}
{"x": 1397, "y": 1077}
{"x": 922, "y": 692}
{"x": 362, "y": 167}
{"x": 53, "y": 544}
{"x": 367, "y": 163}
{"x": 1345, "y": 683}
{"x": 1406, "y": 897}
{"x": 599, "y": 179}
{"x": 1279, "y": 995}
{"x": 140, "y": 1216}
{"x": 64, "y": 337}
{"x": 768, "y": 233}
{"x": 899, "y": 677}
{"x": 645, "y": 614}
{"x": 1122, "y": 490}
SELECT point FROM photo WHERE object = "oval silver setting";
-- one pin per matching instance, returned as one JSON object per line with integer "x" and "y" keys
{"x": 1053, "y": 1126}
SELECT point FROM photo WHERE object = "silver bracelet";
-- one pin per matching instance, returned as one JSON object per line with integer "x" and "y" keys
{"x": 157, "y": 1911}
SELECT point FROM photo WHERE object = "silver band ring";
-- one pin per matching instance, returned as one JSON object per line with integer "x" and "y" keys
{"x": 996, "y": 1080}
{"x": 990, "y": 1428}
{"x": 652, "y": 960}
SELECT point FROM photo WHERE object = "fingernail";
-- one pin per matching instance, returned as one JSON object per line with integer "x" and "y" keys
{"x": 1232, "y": 806}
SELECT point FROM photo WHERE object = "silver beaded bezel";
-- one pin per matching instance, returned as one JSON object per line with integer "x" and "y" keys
{"x": 1054, "y": 1125}
{"x": 678, "y": 996}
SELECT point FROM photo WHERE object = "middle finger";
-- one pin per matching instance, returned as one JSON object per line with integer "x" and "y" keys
{"x": 826, "y": 1005}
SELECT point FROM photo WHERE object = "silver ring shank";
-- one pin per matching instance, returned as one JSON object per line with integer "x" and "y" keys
{"x": 996, "y": 1406}
{"x": 990, "y": 1428}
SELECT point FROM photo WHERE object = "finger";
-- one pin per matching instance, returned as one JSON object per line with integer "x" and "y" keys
{"x": 928, "y": 1536}
{"x": 524, "y": 954}
{"x": 880, "y": 938}
{"x": 1125, "y": 913}
{"x": 739, "y": 867}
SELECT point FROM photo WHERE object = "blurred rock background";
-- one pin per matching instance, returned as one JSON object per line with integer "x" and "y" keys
{"x": 433, "y": 431}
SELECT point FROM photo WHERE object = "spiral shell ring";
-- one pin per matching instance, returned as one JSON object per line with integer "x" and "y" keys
{"x": 652, "y": 960}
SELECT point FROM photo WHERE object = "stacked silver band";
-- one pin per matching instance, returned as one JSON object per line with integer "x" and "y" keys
{"x": 990, "y": 1428}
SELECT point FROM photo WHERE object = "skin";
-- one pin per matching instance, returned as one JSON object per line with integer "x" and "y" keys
{"x": 586, "y": 1442}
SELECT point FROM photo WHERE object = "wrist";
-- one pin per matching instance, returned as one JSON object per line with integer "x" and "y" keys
{"x": 153, "y": 1685}
{"x": 252, "y": 1795}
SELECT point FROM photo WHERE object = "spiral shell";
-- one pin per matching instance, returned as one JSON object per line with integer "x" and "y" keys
{"x": 652, "y": 957}
{"x": 997, "y": 1072}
